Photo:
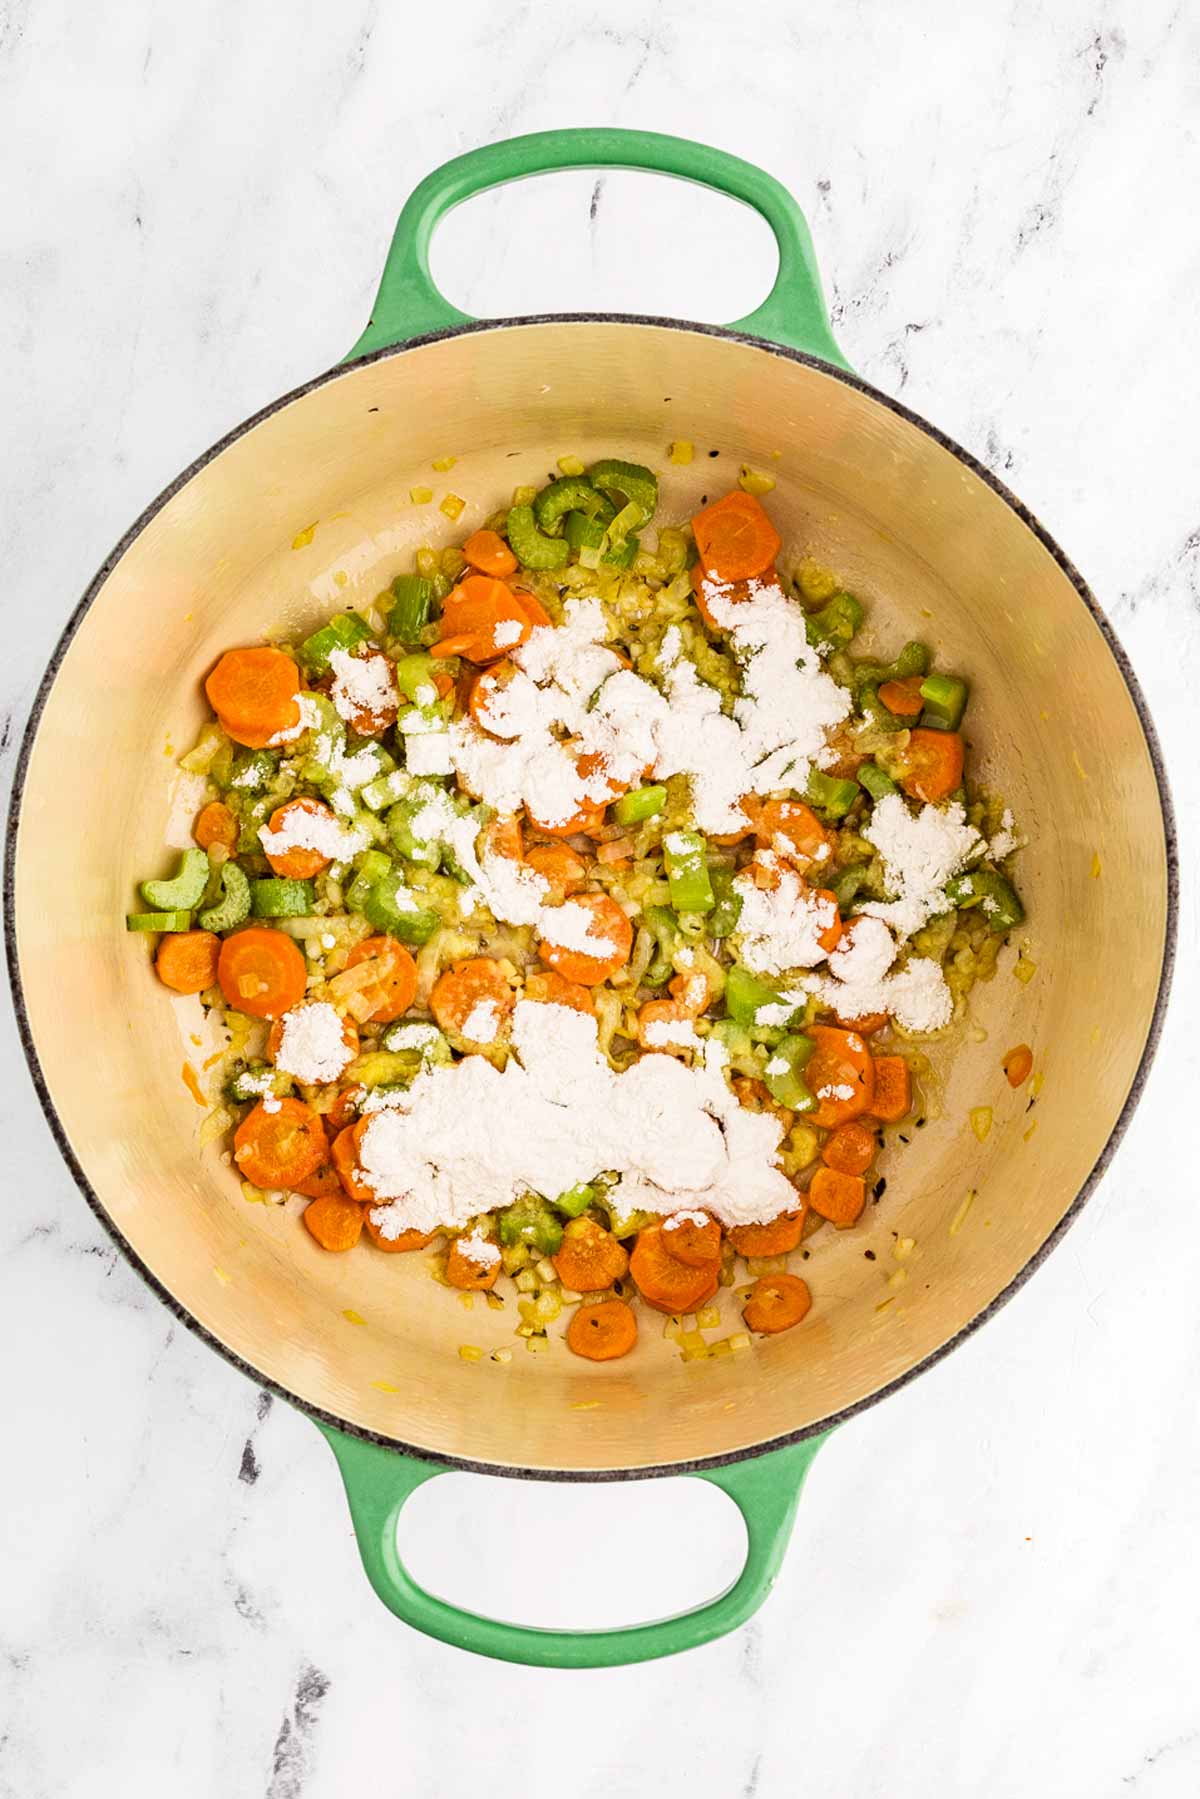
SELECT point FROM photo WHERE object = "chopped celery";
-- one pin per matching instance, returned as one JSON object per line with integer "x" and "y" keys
{"x": 257, "y": 1080}
{"x": 277, "y": 898}
{"x": 379, "y": 795}
{"x": 372, "y": 865}
{"x": 874, "y": 710}
{"x": 664, "y": 928}
{"x": 531, "y": 1220}
{"x": 621, "y": 554}
{"x": 584, "y": 533}
{"x": 573, "y": 493}
{"x": 531, "y": 546}
{"x": 784, "y": 1074}
{"x": 686, "y": 858}
{"x": 627, "y": 484}
{"x": 425, "y": 1039}
{"x": 830, "y": 795}
{"x": 845, "y": 885}
{"x": 747, "y": 996}
{"x": 425, "y": 852}
{"x": 835, "y": 624}
{"x": 253, "y": 770}
{"x": 876, "y": 780}
{"x": 644, "y": 802}
{"x": 343, "y": 632}
{"x": 233, "y": 907}
{"x": 158, "y": 921}
{"x": 384, "y": 1068}
{"x": 993, "y": 892}
{"x": 391, "y": 907}
{"x": 723, "y": 919}
{"x": 912, "y": 660}
{"x": 575, "y": 1201}
{"x": 412, "y": 603}
{"x": 414, "y": 678}
{"x": 945, "y": 698}
{"x": 185, "y": 888}
{"x": 740, "y": 1050}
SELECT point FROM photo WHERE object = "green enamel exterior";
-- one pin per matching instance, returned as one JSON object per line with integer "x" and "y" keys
{"x": 766, "y": 1488}
{"x": 408, "y": 304}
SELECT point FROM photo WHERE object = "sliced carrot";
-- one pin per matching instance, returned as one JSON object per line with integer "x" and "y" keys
{"x": 299, "y": 864}
{"x": 482, "y": 619}
{"x": 589, "y": 1257}
{"x": 868, "y": 1024}
{"x": 776, "y": 1302}
{"x": 322, "y": 1183}
{"x": 466, "y": 1271}
{"x": 532, "y": 607}
{"x": 254, "y": 691}
{"x": 932, "y": 764}
{"x": 400, "y": 1245}
{"x": 735, "y": 538}
{"x": 752, "y": 807}
{"x": 502, "y": 837}
{"x": 830, "y": 935}
{"x": 612, "y": 932}
{"x": 261, "y": 972}
{"x": 666, "y": 1025}
{"x": 484, "y": 689}
{"x": 903, "y": 698}
{"x": 699, "y": 1245}
{"x": 663, "y": 1280}
{"x": 275, "y": 1035}
{"x": 852, "y": 1147}
{"x": 1018, "y": 1065}
{"x": 216, "y": 824}
{"x": 395, "y": 976}
{"x": 488, "y": 552}
{"x": 558, "y": 864}
{"x": 344, "y": 1110}
{"x": 594, "y": 769}
{"x": 548, "y": 988}
{"x": 186, "y": 961}
{"x": 335, "y": 1223}
{"x": 777, "y": 1238}
{"x": 477, "y": 986}
{"x": 589, "y": 818}
{"x": 445, "y": 685}
{"x": 734, "y": 591}
{"x": 374, "y": 720}
{"x": 602, "y": 1333}
{"x": 892, "y": 1099}
{"x": 793, "y": 830}
{"x": 345, "y": 1152}
{"x": 278, "y": 1147}
{"x": 840, "y": 1074}
{"x": 838, "y": 1197}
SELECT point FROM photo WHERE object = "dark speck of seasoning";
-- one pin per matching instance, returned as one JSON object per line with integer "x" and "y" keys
{"x": 1031, "y": 1105}
{"x": 372, "y": 409}
{"x": 714, "y": 452}
{"x": 870, "y": 1254}
{"x": 704, "y": 499}
{"x": 880, "y": 1187}
{"x": 804, "y": 1254}
{"x": 921, "y": 1122}
{"x": 903, "y": 1138}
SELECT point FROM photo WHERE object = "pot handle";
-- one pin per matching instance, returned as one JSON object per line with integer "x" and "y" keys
{"x": 766, "y": 1490}
{"x": 409, "y": 305}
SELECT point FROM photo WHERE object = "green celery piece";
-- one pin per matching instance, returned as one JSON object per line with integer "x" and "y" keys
{"x": 386, "y": 1068}
{"x": 830, "y": 795}
{"x": 784, "y": 1074}
{"x": 686, "y": 856}
{"x": 723, "y": 919}
{"x": 423, "y": 1039}
{"x": 643, "y": 803}
{"x": 532, "y": 547}
{"x": 914, "y": 659}
{"x": 253, "y": 770}
{"x": 249, "y": 1082}
{"x": 158, "y": 921}
{"x": 379, "y": 795}
{"x": 994, "y": 892}
{"x": 392, "y": 907}
{"x": 233, "y": 907}
{"x": 185, "y": 888}
{"x": 874, "y": 710}
{"x": 414, "y": 678}
{"x": 876, "y": 780}
{"x": 571, "y": 493}
{"x": 422, "y": 852}
{"x": 275, "y": 897}
{"x": 738, "y": 1046}
{"x": 627, "y": 484}
{"x": 584, "y": 533}
{"x": 412, "y": 605}
{"x": 663, "y": 926}
{"x": 622, "y": 554}
{"x": 531, "y": 1220}
{"x": 835, "y": 624}
{"x": 575, "y": 1201}
{"x": 945, "y": 698}
{"x": 844, "y": 887}
{"x": 745, "y": 996}
{"x": 370, "y": 867}
{"x": 343, "y": 632}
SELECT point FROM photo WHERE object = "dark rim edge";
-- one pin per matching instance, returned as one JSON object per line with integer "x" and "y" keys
{"x": 824, "y": 1425}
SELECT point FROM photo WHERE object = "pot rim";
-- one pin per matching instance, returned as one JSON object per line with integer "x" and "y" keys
{"x": 663, "y": 1469}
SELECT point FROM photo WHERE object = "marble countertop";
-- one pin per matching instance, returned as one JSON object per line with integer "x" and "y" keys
{"x": 993, "y": 1586}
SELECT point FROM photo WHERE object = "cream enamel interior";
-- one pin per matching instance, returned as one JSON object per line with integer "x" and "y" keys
{"x": 935, "y": 552}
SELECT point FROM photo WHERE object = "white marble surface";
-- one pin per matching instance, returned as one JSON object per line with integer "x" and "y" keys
{"x": 993, "y": 1589}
